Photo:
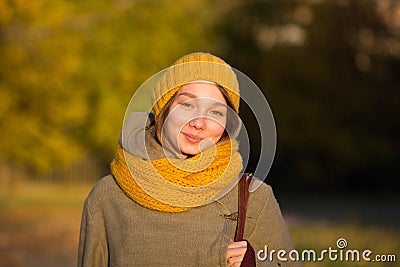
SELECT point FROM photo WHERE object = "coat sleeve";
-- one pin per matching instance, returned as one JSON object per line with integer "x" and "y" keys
{"x": 268, "y": 230}
{"x": 92, "y": 249}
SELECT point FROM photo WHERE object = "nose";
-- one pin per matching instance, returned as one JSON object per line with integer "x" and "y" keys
{"x": 198, "y": 123}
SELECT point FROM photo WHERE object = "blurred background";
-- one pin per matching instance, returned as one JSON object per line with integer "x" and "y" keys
{"x": 329, "y": 69}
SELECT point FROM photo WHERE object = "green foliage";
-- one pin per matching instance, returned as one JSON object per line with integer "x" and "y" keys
{"x": 69, "y": 68}
{"x": 328, "y": 68}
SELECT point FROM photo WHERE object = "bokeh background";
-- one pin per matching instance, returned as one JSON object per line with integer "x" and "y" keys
{"x": 330, "y": 70}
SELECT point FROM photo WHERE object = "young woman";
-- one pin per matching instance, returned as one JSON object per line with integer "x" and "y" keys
{"x": 172, "y": 197}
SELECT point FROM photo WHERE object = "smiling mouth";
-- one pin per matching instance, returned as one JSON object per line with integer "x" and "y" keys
{"x": 192, "y": 138}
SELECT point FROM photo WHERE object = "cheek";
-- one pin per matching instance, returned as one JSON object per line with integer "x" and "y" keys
{"x": 175, "y": 121}
{"x": 216, "y": 130}
{"x": 176, "y": 118}
{"x": 173, "y": 125}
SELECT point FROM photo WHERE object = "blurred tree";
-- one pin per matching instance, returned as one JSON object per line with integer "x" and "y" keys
{"x": 329, "y": 70}
{"x": 69, "y": 68}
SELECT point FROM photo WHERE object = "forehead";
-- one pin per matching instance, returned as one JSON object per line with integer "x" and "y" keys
{"x": 202, "y": 90}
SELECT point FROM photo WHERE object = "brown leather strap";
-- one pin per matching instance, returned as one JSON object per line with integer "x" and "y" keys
{"x": 243, "y": 191}
{"x": 249, "y": 259}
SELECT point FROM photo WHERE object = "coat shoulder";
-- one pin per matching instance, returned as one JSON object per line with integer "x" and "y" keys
{"x": 260, "y": 191}
{"x": 103, "y": 190}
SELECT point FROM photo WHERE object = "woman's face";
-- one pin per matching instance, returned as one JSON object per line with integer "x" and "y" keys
{"x": 196, "y": 118}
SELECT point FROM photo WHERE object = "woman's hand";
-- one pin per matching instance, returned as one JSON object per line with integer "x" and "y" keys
{"x": 235, "y": 253}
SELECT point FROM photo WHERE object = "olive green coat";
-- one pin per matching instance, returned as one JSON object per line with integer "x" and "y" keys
{"x": 116, "y": 231}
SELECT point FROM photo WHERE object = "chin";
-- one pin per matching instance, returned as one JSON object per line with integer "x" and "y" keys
{"x": 189, "y": 150}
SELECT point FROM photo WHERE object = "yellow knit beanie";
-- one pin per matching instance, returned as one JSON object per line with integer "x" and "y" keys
{"x": 193, "y": 67}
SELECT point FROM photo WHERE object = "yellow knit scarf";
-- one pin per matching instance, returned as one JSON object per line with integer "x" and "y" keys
{"x": 176, "y": 185}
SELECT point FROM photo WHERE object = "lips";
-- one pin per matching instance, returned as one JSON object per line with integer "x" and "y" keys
{"x": 192, "y": 138}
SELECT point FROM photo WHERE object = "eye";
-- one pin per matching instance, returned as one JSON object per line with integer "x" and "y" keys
{"x": 186, "y": 105}
{"x": 217, "y": 113}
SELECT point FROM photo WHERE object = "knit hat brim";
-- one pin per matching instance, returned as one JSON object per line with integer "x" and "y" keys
{"x": 193, "y": 67}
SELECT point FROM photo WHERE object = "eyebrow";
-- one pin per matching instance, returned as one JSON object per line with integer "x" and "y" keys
{"x": 190, "y": 95}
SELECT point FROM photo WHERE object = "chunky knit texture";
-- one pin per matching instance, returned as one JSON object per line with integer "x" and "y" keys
{"x": 193, "y": 67}
{"x": 176, "y": 185}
